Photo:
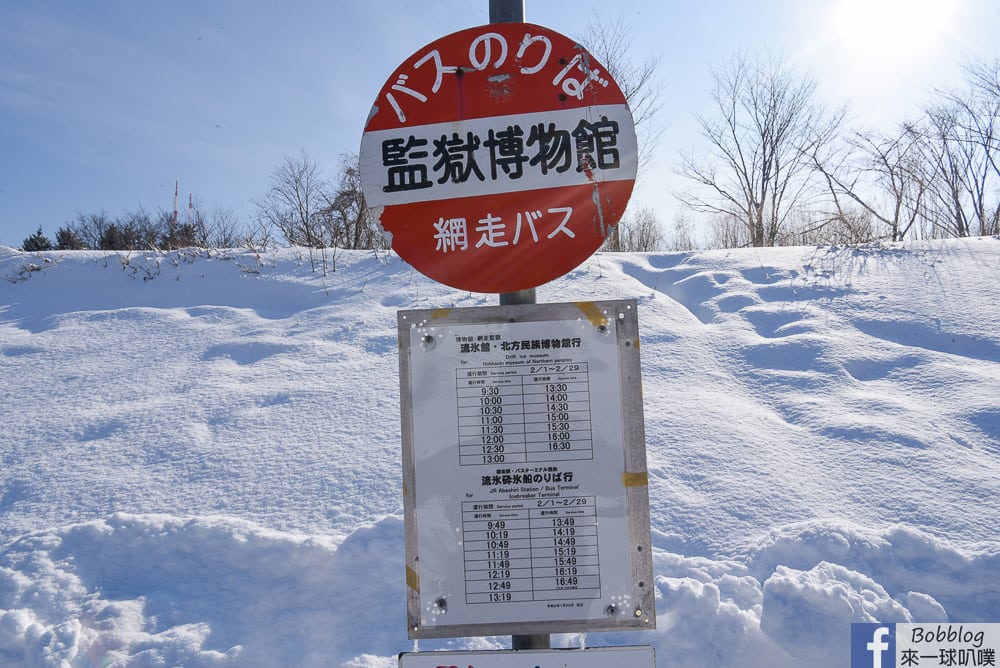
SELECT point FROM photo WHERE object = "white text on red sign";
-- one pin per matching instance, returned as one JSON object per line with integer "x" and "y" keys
{"x": 491, "y": 50}
{"x": 452, "y": 234}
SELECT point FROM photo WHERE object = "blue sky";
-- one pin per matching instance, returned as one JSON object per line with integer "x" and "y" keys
{"x": 104, "y": 105}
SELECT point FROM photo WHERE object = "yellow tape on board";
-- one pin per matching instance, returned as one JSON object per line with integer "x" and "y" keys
{"x": 592, "y": 313}
{"x": 635, "y": 479}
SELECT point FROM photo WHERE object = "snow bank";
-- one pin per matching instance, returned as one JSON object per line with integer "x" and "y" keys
{"x": 201, "y": 467}
{"x": 139, "y": 590}
{"x": 147, "y": 590}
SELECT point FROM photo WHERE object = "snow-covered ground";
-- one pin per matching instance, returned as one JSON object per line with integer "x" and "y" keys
{"x": 201, "y": 461}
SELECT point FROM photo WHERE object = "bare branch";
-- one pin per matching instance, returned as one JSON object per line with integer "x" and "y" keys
{"x": 610, "y": 42}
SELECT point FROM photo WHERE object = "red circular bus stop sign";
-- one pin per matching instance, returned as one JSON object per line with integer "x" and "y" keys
{"x": 499, "y": 158}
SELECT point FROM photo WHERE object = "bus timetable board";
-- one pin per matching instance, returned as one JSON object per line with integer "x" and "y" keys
{"x": 524, "y": 470}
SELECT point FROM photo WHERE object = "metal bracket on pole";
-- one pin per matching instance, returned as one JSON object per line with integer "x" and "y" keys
{"x": 506, "y": 11}
{"x": 540, "y": 641}
{"x": 519, "y": 297}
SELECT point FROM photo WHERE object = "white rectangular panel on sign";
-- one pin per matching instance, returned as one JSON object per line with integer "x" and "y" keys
{"x": 524, "y": 470}
{"x": 373, "y": 159}
{"x": 598, "y": 657}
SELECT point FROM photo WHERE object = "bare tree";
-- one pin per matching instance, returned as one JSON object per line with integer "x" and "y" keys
{"x": 611, "y": 43}
{"x": 961, "y": 145}
{"x": 188, "y": 231}
{"x": 875, "y": 177}
{"x": 726, "y": 231}
{"x": 682, "y": 237}
{"x": 349, "y": 221}
{"x": 759, "y": 170}
{"x": 259, "y": 236}
{"x": 133, "y": 230}
{"x": 224, "y": 229}
{"x": 294, "y": 202}
{"x": 642, "y": 233}
{"x": 980, "y": 118}
{"x": 295, "y": 205}
{"x": 196, "y": 220}
{"x": 91, "y": 227}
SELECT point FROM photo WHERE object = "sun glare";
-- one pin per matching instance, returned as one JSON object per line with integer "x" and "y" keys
{"x": 888, "y": 32}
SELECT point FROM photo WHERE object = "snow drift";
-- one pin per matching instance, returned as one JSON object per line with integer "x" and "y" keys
{"x": 200, "y": 451}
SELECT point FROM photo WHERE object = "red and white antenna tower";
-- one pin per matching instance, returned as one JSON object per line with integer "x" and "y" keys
{"x": 177, "y": 185}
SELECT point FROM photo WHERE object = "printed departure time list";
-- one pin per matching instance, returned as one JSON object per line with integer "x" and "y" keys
{"x": 529, "y": 413}
{"x": 531, "y": 550}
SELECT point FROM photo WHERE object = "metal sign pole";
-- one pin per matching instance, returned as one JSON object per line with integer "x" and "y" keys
{"x": 512, "y": 11}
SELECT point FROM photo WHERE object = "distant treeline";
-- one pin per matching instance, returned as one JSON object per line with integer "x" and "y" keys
{"x": 776, "y": 165}
{"x": 140, "y": 230}
{"x": 300, "y": 208}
